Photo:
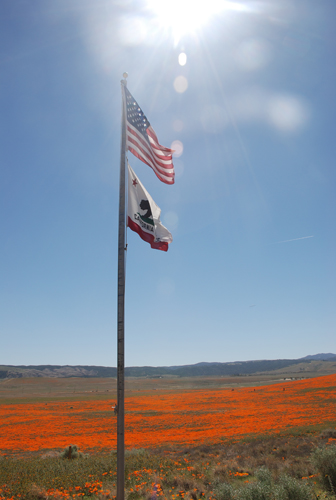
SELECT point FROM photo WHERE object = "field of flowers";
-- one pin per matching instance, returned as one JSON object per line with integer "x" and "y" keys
{"x": 169, "y": 418}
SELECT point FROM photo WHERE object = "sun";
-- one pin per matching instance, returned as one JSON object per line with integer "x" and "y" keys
{"x": 184, "y": 17}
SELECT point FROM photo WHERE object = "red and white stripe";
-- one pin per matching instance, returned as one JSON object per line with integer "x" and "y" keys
{"x": 153, "y": 154}
{"x": 149, "y": 238}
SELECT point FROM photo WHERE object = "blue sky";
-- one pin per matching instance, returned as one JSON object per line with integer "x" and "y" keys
{"x": 251, "y": 271}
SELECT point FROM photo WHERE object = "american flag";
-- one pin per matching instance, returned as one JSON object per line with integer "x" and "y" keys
{"x": 143, "y": 143}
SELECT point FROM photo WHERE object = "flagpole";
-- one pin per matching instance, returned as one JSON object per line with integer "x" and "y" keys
{"x": 121, "y": 310}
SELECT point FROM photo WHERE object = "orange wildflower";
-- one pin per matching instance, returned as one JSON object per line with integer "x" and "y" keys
{"x": 183, "y": 418}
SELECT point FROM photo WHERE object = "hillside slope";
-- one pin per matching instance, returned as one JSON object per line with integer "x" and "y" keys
{"x": 317, "y": 362}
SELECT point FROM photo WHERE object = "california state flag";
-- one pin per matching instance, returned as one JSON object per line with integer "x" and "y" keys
{"x": 143, "y": 215}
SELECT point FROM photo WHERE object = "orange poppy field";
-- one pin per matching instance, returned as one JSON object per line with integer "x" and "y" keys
{"x": 170, "y": 418}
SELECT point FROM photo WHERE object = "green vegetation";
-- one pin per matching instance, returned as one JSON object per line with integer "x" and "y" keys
{"x": 72, "y": 452}
{"x": 291, "y": 467}
{"x": 299, "y": 367}
{"x": 264, "y": 488}
{"x": 299, "y": 464}
{"x": 43, "y": 389}
{"x": 324, "y": 459}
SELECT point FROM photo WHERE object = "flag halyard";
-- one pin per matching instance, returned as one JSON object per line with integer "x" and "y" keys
{"x": 143, "y": 215}
{"x": 143, "y": 142}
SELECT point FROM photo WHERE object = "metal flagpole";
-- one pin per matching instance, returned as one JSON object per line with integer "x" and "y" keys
{"x": 121, "y": 310}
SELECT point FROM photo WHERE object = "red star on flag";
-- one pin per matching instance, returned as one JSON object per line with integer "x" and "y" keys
{"x": 134, "y": 181}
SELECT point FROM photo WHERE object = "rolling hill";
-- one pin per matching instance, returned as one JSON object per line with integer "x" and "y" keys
{"x": 317, "y": 362}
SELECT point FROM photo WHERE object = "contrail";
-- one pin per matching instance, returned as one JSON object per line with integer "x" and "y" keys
{"x": 296, "y": 239}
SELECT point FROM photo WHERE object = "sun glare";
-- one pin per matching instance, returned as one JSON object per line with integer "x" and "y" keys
{"x": 184, "y": 17}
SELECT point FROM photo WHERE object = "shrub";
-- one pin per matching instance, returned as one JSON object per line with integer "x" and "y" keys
{"x": 225, "y": 492}
{"x": 256, "y": 491}
{"x": 286, "y": 488}
{"x": 264, "y": 475}
{"x": 71, "y": 452}
{"x": 324, "y": 459}
{"x": 289, "y": 488}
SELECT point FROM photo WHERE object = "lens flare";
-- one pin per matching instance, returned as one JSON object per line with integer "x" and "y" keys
{"x": 183, "y": 17}
{"x": 182, "y": 59}
{"x": 288, "y": 113}
{"x": 180, "y": 84}
{"x": 177, "y": 146}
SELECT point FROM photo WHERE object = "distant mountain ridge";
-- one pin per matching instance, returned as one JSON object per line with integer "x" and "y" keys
{"x": 320, "y": 357}
{"x": 202, "y": 369}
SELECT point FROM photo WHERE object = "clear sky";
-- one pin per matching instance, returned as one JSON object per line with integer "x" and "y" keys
{"x": 250, "y": 273}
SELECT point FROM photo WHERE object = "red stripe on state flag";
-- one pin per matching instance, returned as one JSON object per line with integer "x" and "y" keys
{"x": 149, "y": 238}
